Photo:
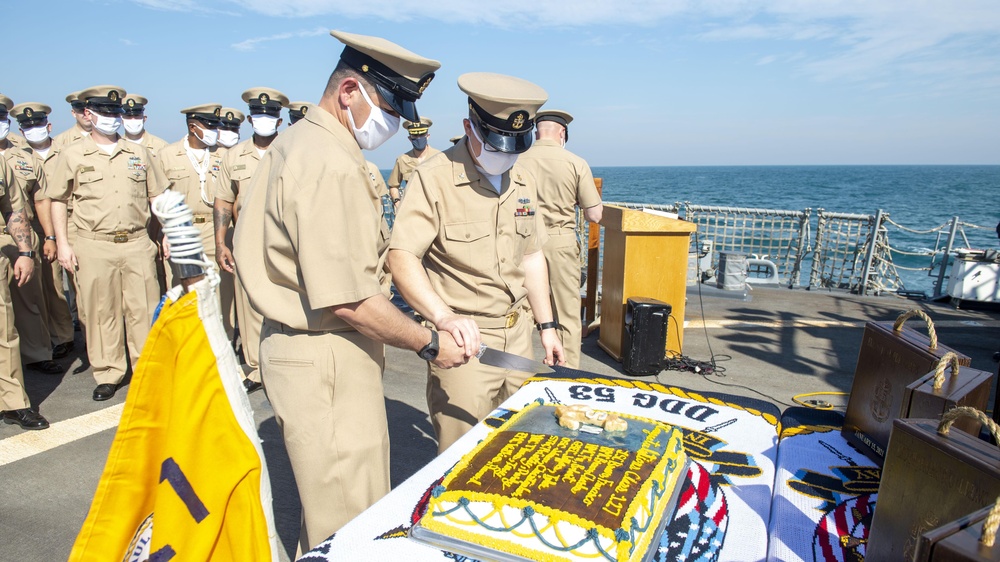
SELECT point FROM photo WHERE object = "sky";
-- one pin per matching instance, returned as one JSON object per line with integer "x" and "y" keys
{"x": 649, "y": 82}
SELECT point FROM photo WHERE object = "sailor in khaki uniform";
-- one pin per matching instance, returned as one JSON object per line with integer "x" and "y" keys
{"x": 297, "y": 110}
{"x": 230, "y": 120}
{"x": 134, "y": 123}
{"x": 81, "y": 126}
{"x": 237, "y": 168}
{"x": 33, "y": 120}
{"x": 466, "y": 251}
{"x": 110, "y": 182}
{"x": 310, "y": 250}
{"x": 564, "y": 182}
{"x": 13, "y": 399}
{"x": 30, "y": 314}
{"x": 406, "y": 162}
{"x": 192, "y": 166}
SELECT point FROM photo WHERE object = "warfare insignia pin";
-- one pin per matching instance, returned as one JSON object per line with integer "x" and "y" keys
{"x": 113, "y": 95}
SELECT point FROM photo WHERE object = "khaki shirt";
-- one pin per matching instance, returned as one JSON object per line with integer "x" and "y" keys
{"x": 183, "y": 178}
{"x": 406, "y": 163}
{"x": 110, "y": 192}
{"x": 564, "y": 181}
{"x": 69, "y": 136}
{"x": 29, "y": 177}
{"x": 152, "y": 142}
{"x": 238, "y": 166}
{"x": 308, "y": 236}
{"x": 11, "y": 197}
{"x": 471, "y": 240}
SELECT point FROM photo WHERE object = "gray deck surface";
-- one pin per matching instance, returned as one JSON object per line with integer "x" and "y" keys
{"x": 781, "y": 343}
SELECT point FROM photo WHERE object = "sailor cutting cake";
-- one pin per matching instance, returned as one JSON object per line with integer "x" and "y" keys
{"x": 466, "y": 251}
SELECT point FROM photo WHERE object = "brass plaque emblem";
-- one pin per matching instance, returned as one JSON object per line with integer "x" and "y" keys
{"x": 880, "y": 401}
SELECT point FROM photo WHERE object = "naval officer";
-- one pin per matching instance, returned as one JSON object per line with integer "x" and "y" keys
{"x": 419, "y": 132}
{"x": 564, "y": 182}
{"x": 297, "y": 110}
{"x": 310, "y": 248}
{"x": 134, "y": 123}
{"x": 81, "y": 125}
{"x": 466, "y": 251}
{"x": 229, "y": 128}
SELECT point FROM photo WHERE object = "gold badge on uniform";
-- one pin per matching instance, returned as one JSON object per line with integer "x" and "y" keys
{"x": 113, "y": 95}
{"x": 263, "y": 99}
{"x": 518, "y": 121}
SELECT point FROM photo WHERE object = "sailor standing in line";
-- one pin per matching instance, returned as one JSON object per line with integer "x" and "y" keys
{"x": 237, "y": 168}
{"x": 81, "y": 125}
{"x": 406, "y": 162}
{"x": 564, "y": 182}
{"x": 14, "y": 400}
{"x": 296, "y": 111}
{"x": 33, "y": 120}
{"x": 29, "y": 303}
{"x": 111, "y": 183}
{"x": 229, "y": 128}
{"x": 310, "y": 248}
{"x": 466, "y": 252}
{"x": 134, "y": 123}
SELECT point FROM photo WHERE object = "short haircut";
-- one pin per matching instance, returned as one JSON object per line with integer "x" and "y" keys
{"x": 341, "y": 72}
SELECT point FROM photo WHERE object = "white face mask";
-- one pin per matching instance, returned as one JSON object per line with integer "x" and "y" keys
{"x": 378, "y": 128}
{"x": 264, "y": 125}
{"x": 107, "y": 125}
{"x": 493, "y": 163}
{"x": 132, "y": 125}
{"x": 228, "y": 139}
{"x": 4, "y": 128}
{"x": 37, "y": 134}
{"x": 209, "y": 137}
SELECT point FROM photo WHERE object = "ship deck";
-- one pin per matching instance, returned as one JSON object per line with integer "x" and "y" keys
{"x": 778, "y": 344}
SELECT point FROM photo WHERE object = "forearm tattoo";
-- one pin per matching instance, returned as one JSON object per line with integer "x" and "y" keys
{"x": 222, "y": 217}
{"x": 20, "y": 230}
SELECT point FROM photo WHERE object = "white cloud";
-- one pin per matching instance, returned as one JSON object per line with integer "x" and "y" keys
{"x": 251, "y": 44}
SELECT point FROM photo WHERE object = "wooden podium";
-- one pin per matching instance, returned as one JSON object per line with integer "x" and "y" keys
{"x": 645, "y": 255}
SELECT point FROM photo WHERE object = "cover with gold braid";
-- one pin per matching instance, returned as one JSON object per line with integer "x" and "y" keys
{"x": 536, "y": 490}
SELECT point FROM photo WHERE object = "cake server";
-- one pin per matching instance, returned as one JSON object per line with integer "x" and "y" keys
{"x": 504, "y": 360}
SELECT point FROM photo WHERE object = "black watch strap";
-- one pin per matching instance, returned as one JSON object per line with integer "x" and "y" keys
{"x": 28, "y": 254}
{"x": 430, "y": 351}
{"x": 546, "y": 325}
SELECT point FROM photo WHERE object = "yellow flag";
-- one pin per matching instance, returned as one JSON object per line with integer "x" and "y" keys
{"x": 185, "y": 478}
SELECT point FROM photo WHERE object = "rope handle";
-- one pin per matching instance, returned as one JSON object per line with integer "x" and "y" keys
{"x": 951, "y": 357}
{"x": 953, "y": 414}
{"x": 990, "y": 526}
{"x": 931, "y": 332}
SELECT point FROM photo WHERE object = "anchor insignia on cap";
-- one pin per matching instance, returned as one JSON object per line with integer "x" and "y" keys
{"x": 304, "y": 109}
{"x": 229, "y": 115}
{"x": 131, "y": 102}
{"x": 518, "y": 121}
{"x": 28, "y": 112}
{"x": 217, "y": 111}
{"x": 263, "y": 99}
{"x": 113, "y": 95}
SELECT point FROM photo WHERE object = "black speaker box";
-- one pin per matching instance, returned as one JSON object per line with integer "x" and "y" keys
{"x": 645, "y": 336}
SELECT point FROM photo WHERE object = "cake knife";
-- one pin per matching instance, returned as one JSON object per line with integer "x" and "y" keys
{"x": 504, "y": 360}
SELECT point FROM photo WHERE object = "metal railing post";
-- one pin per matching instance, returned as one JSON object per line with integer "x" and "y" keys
{"x": 944, "y": 260}
{"x": 870, "y": 252}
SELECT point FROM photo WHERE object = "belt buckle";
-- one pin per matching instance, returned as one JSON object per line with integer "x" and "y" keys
{"x": 512, "y": 319}
{"x": 199, "y": 220}
{"x": 121, "y": 237}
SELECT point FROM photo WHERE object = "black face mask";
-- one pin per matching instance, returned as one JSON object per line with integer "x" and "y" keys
{"x": 419, "y": 143}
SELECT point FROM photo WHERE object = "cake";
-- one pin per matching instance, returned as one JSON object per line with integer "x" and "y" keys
{"x": 534, "y": 489}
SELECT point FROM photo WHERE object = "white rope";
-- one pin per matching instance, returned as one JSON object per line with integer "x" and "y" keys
{"x": 914, "y": 231}
{"x": 182, "y": 236}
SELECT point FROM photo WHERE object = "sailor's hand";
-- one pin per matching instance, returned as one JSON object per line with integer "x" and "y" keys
{"x": 450, "y": 354}
{"x": 554, "y": 354}
{"x": 50, "y": 251}
{"x": 24, "y": 268}
{"x": 225, "y": 258}
{"x": 464, "y": 330}
{"x": 67, "y": 258}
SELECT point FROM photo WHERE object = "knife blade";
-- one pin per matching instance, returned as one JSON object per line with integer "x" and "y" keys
{"x": 504, "y": 360}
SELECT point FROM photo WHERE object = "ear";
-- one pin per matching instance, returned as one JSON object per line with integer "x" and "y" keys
{"x": 346, "y": 91}
{"x": 280, "y": 121}
{"x": 48, "y": 127}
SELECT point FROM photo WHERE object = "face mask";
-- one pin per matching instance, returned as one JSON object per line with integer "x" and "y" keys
{"x": 132, "y": 126}
{"x": 4, "y": 128}
{"x": 209, "y": 137}
{"x": 36, "y": 134}
{"x": 493, "y": 163}
{"x": 378, "y": 128}
{"x": 419, "y": 143}
{"x": 228, "y": 139}
{"x": 264, "y": 125}
{"x": 107, "y": 125}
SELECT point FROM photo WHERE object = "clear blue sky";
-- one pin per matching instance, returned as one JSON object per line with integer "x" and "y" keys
{"x": 650, "y": 82}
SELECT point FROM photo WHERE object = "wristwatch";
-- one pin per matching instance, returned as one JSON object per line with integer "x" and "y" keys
{"x": 28, "y": 254}
{"x": 52, "y": 238}
{"x": 430, "y": 351}
{"x": 546, "y": 325}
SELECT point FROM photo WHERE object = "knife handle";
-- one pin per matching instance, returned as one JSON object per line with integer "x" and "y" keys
{"x": 482, "y": 349}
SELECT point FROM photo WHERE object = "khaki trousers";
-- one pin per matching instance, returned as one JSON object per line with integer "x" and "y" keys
{"x": 59, "y": 319}
{"x": 250, "y": 325}
{"x": 562, "y": 255}
{"x": 225, "y": 291}
{"x": 12, "y": 394}
{"x": 118, "y": 295}
{"x": 74, "y": 287}
{"x": 326, "y": 391}
{"x": 30, "y": 313}
{"x": 459, "y": 398}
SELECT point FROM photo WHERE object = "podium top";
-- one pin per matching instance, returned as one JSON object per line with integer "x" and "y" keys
{"x": 628, "y": 220}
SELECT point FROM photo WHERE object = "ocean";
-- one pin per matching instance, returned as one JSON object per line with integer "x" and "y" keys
{"x": 916, "y": 197}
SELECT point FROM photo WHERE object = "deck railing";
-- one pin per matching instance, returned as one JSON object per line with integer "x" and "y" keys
{"x": 850, "y": 251}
